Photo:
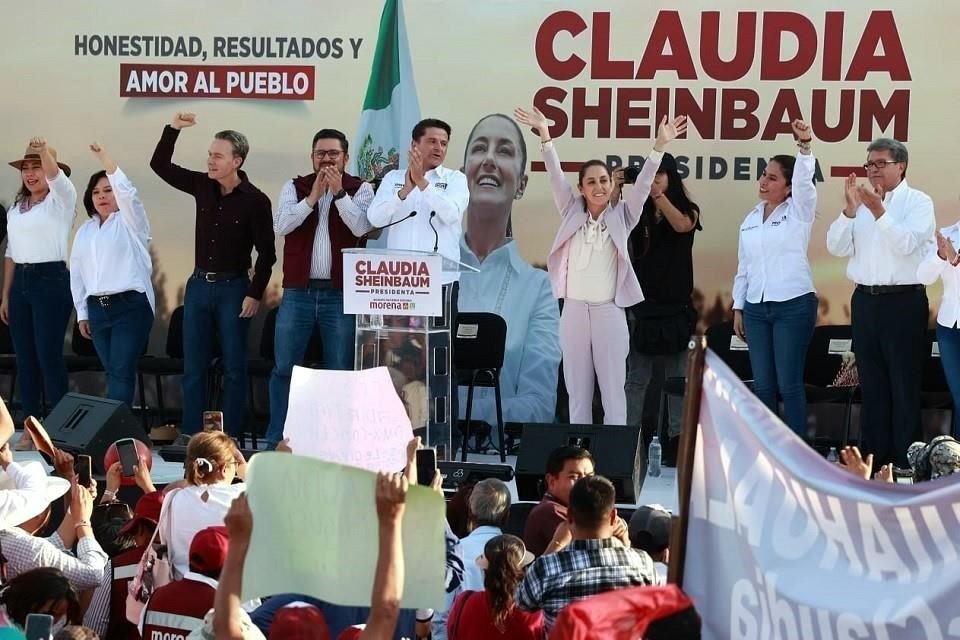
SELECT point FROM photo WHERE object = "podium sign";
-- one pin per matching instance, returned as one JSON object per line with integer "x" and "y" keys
{"x": 392, "y": 284}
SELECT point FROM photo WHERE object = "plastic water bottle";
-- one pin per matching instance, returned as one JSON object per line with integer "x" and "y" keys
{"x": 654, "y": 454}
{"x": 833, "y": 457}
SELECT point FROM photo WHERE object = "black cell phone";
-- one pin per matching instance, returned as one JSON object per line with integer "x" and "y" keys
{"x": 129, "y": 458}
{"x": 631, "y": 173}
{"x": 39, "y": 626}
{"x": 84, "y": 468}
{"x": 426, "y": 466}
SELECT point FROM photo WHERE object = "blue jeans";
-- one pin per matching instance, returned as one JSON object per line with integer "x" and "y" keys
{"x": 211, "y": 310}
{"x": 120, "y": 331}
{"x": 302, "y": 310}
{"x": 949, "y": 341}
{"x": 39, "y": 306}
{"x": 778, "y": 334}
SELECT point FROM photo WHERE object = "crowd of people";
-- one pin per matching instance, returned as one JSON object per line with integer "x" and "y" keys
{"x": 172, "y": 567}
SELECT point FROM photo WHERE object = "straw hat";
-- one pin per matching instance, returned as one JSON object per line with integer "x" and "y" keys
{"x": 53, "y": 489}
{"x": 29, "y": 154}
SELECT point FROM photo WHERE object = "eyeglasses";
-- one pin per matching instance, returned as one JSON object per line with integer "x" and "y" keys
{"x": 879, "y": 165}
{"x": 333, "y": 154}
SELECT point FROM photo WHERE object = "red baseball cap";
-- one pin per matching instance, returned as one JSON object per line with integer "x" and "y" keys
{"x": 147, "y": 511}
{"x": 208, "y": 550}
{"x": 299, "y": 623}
{"x": 351, "y": 633}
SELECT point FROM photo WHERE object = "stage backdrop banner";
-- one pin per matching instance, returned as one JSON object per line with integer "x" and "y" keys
{"x": 315, "y": 533}
{"x": 348, "y": 417}
{"x": 784, "y": 545}
{"x": 603, "y": 73}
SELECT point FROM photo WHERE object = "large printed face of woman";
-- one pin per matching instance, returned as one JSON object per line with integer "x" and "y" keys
{"x": 494, "y": 163}
{"x": 31, "y": 173}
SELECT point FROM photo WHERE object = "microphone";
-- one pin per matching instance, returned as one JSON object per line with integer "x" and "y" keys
{"x": 377, "y": 230}
{"x": 436, "y": 236}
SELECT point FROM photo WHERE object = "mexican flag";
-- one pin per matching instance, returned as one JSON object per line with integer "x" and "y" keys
{"x": 391, "y": 108}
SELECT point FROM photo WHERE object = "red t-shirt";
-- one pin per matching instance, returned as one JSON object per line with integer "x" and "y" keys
{"x": 470, "y": 619}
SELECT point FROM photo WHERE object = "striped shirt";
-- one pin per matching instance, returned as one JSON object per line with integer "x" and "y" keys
{"x": 583, "y": 569}
{"x": 291, "y": 213}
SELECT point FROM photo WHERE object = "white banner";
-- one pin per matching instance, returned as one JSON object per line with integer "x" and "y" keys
{"x": 783, "y": 544}
{"x": 392, "y": 284}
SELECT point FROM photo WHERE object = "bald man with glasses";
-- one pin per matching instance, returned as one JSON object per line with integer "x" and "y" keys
{"x": 884, "y": 229}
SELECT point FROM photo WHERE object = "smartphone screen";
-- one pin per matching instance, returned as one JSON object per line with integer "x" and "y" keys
{"x": 127, "y": 449}
{"x": 84, "y": 470}
{"x": 213, "y": 420}
{"x": 39, "y": 626}
{"x": 426, "y": 466}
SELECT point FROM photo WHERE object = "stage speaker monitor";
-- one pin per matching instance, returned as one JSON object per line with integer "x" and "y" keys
{"x": 81, "y": 424}
{"x": 617, "y": 451}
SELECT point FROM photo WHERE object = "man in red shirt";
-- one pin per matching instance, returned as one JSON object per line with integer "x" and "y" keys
{"x": 178, "y": 608}
{"x": 565, "y": 466}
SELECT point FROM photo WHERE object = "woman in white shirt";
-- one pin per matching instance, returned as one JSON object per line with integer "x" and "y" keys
{"x": 942, "y": 261}
{"x": 213, "y": 461}
{"x": 774, "y": 301}
{"x": 36, "y": 284}
{"x": 110, "y": 275}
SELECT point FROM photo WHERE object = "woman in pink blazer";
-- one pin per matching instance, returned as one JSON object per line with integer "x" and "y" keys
{"x": 590, "y": 270}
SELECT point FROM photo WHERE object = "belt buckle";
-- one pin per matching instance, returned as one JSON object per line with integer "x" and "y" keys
{"x": 210, "y": 276}
{"x": 104, "y": 301}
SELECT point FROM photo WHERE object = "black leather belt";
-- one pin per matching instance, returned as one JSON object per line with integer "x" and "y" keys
{"x": 883, "y": 289}
{"x": 106, "y": 301}
{"x": 217, "y": 276}
{"x": 317, "y": 283}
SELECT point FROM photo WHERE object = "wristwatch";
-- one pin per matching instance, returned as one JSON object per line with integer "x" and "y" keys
{"x": 340, "y": 194}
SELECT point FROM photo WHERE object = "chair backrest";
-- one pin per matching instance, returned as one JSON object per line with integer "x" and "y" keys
{"x": 79, "y": 345}
{"x": 822, "y": 366}
{"x": 267, "y": 336}
{"x": 718, "y": 341}
{"x": 175, "y": 334}
{"x": 479, "y": 341}
{"x": 6, "y": 342}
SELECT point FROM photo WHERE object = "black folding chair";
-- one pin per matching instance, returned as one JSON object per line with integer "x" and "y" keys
{"x": 824, "y": 358}
{"x": 480, "y": 340}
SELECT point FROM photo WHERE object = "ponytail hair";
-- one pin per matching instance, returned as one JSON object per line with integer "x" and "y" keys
{"x": 206, "y": 453}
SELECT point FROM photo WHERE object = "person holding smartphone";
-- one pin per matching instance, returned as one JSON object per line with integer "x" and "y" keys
{"x": 213, "y": 462}
{"x": 589, "y": 267}
{"x": 774, "y": 300}
{"x": 111, "y": 275}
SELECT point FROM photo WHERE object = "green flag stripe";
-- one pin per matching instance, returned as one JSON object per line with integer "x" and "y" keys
{"x": 385, "y": 72}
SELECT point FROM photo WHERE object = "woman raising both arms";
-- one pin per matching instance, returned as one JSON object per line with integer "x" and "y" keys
{"x": 590, "y": 270}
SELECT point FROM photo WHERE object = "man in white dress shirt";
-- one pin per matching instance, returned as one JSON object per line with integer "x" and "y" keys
{"x": 424, "y": 204}
{"x": 884, "y": 229}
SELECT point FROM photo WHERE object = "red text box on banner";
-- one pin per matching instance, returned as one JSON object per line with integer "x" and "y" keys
{"x": 259, "y": 82}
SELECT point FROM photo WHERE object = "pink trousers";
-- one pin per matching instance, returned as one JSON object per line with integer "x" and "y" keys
{"x": 594, "y": 339}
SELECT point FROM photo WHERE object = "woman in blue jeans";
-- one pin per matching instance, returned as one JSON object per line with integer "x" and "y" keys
{"x": 774, "y": 302}
{"x": 942, "y": 261}
{"x": 110, "y": 275}
{"x": 36, "y": 283}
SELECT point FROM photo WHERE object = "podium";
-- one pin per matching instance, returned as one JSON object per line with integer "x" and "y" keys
{"x": 403, "y": 322}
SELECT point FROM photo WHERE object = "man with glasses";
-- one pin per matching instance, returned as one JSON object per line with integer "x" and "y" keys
{"x": 319, "y": 215}
{"x": 884, "y": 229}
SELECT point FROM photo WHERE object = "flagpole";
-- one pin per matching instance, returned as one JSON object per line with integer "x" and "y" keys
{"x": 689, "y": 423}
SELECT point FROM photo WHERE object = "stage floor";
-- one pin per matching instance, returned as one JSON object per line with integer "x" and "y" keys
{"x": 662, "y": 490}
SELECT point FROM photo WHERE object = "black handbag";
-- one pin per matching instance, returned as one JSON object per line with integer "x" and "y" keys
{"x": 662, "y": 329}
